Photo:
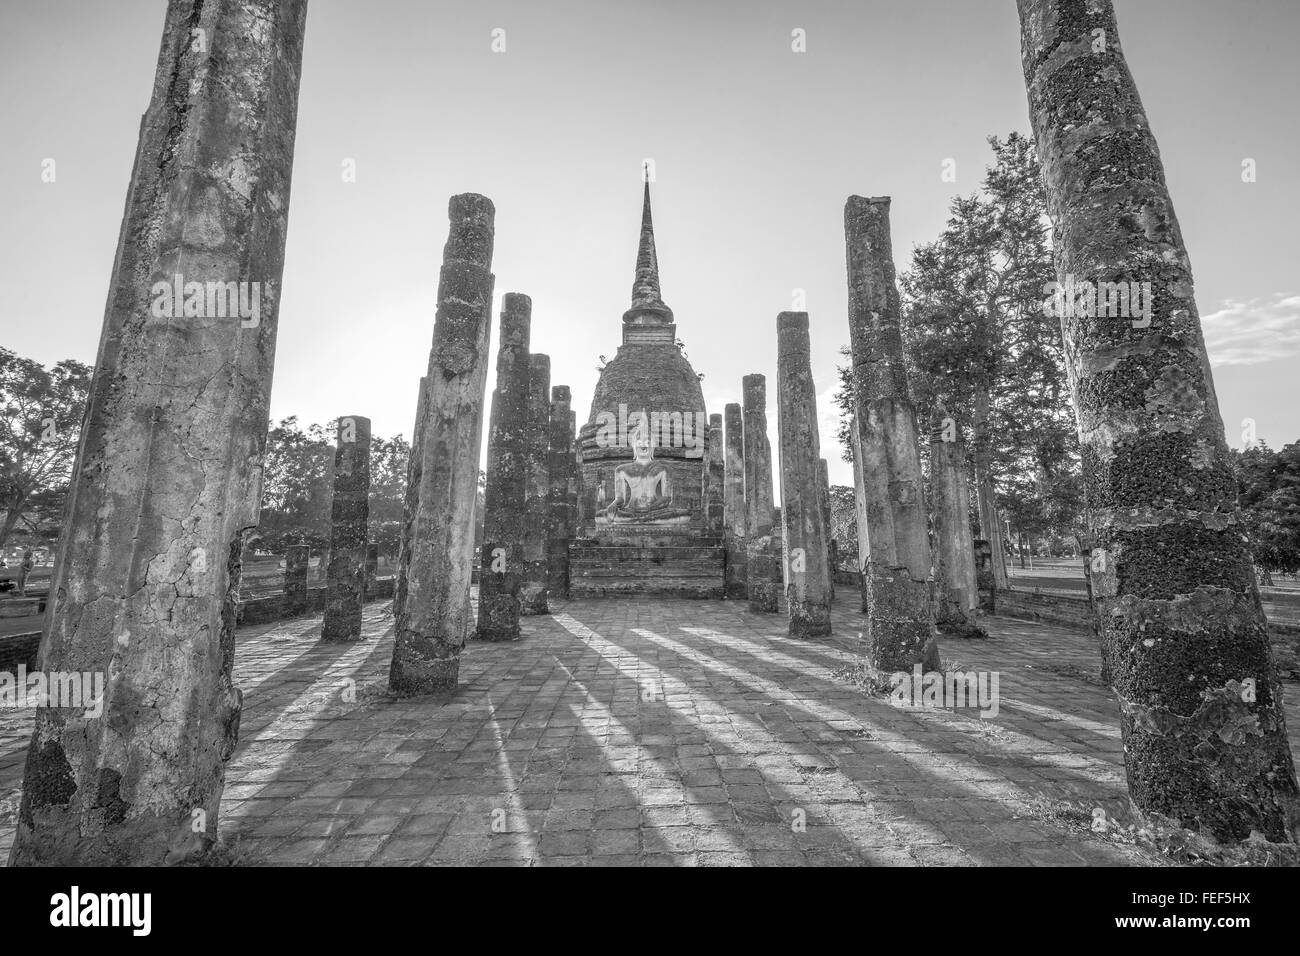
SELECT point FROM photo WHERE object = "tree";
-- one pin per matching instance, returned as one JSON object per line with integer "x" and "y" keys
{"x": 1268, "y": 493}
{"x": 979, "y": 345}
{"x": 42, "y": 412}
{"x": 297, "y": 480}
{"x": 388, "y": 464}
{"x": 981, "y": 350}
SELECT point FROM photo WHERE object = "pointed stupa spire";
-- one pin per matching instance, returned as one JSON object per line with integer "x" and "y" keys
{"x": 646, "y": 299}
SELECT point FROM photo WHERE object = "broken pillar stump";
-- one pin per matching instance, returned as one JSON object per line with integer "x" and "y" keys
{"x": 956, "y": 591}
{"x": 345, "y": 582}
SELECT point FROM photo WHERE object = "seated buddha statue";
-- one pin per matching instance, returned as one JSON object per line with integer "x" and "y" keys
{"x": 642, "y": 487}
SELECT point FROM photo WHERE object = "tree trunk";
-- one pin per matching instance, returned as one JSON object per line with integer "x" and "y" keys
{"x": 1182, "y": 626}
{"x": 12, "y": 516}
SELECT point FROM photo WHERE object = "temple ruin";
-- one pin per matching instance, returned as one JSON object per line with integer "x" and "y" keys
{"x": 652, "y": 497}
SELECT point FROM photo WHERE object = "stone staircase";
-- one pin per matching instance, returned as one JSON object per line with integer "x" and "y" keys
{"x": 620, "y": 564}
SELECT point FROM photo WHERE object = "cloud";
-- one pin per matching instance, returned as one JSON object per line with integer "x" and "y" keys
{"x": 1260, "y": 330}
{"x": 828, "y": 422}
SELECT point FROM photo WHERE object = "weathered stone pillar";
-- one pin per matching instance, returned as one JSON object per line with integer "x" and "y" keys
{"x": 532, "y": 590}
{"x": 349, "y": 515}
{"x": 803, "y": 513}
{"x": 372, "y": 567}
{"x": 501, "y": 563}
{"x": 860, "y": 511}
{"x": 168, "y": 477}
{"x": 763, "y": 570}
{"x": 714, "y": 476}
{"x": 574, "y": 485}
{"x": 956, "y": 591}
{"x": 985, "y": 583}
{"x": 733, "y": 503}
{"x": 824, "y": 489}
{"x": 1182, "y": 626}
{"x": 413, "y": 469}
{"x": 297, "y": 565}
{"x": 560, "y": 466}
{"x": 896, "y": 579}
{"x": 435, "y": 617}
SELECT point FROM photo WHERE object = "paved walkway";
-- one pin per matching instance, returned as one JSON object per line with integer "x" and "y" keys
{"x": 658, "y": 732}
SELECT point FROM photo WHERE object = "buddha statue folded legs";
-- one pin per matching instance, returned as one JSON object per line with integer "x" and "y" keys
{"x": 643, "y": 487}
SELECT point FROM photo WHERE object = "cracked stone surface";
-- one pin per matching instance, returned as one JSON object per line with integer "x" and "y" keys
{"x": 655, "y": 732}
{"x": 168, "y": 467}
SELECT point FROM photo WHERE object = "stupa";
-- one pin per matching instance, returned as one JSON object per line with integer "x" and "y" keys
{"x": 643, "y": 522}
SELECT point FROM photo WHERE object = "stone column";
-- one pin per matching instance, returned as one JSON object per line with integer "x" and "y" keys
{"x": 763, "y": 570}
{"x": 900, "y": 617}
{"x": 1182, "y": 627}
{"x": 803, "y": 511}
{"x": 435, "y": 617}
{"x": 560, "y": 465}
{"x": 733, "y": 503}
{"x": 413, "y": 468}
{"x": 168, "y": 472}
{"x": 349, "y": 514}
{"x": 532, "y": 591}
{"x": 501, "y": 563}
{"x": 297, "y": 565}
{"x": 714, "y": 476}
{"x": 574, "y": 485}
{"x": 860, "y": 510}
{"x": 824, "y": 488}
{"x": 985, "y": 584}
{"x": 956, "y": 594}
{"x": 372, "y": 568}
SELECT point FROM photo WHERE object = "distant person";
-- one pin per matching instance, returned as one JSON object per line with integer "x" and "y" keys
{"x": 24, "y": 570}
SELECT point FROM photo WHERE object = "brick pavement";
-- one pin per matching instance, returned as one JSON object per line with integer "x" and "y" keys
{"x": 645, "y": 731}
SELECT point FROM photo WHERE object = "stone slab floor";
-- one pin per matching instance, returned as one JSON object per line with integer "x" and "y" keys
{"x": 658, "y": 732}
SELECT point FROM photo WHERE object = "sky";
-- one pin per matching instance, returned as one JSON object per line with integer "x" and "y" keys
{"x": 755, "y": 149}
